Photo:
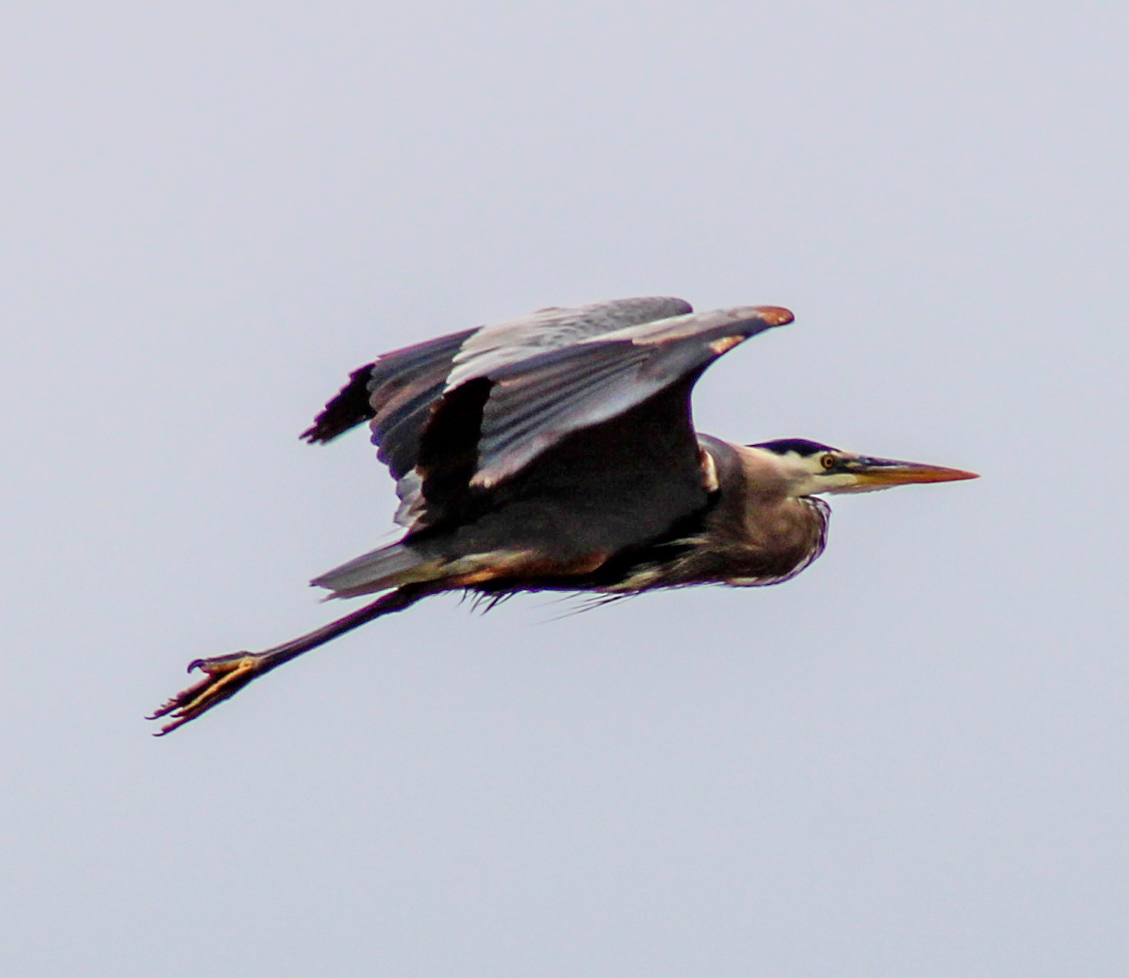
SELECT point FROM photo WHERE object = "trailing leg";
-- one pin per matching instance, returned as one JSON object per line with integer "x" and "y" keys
{"x": 225, "y": 675}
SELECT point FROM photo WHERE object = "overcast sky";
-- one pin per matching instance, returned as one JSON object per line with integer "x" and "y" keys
{"x": 910, "y": 761}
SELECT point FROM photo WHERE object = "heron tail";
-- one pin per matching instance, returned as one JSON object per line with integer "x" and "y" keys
{"x": 378, "y": 570}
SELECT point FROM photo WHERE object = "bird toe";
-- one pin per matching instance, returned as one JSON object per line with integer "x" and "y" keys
{"x": 223, "y": 677}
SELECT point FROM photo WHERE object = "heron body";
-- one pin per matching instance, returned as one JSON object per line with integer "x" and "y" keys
{"x": 557, "y": 452}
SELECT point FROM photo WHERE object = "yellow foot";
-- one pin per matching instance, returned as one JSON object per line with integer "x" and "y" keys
{"x": 224, "y": 676}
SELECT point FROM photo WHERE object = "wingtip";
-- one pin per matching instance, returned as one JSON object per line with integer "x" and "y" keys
{"x": 775, "y": 315}
{"x": 317, "y": 434}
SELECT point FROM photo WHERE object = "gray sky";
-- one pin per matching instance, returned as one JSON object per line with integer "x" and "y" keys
{"x": 911, "y": 761}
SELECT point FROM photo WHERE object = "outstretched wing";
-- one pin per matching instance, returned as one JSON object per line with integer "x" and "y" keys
{"x": 460, "y": 417}
{"x": 398, "y": 391}
{"x": 603, "y": 417}
{"x": 535, "y": 402}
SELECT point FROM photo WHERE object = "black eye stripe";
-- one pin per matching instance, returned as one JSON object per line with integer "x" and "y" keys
{"x": 800, "y": 446}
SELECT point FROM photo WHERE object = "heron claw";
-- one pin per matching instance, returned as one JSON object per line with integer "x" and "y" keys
{"x": 224, "y": 676}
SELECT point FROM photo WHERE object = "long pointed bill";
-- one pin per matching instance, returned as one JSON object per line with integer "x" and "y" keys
{"x": 878, "y": 473}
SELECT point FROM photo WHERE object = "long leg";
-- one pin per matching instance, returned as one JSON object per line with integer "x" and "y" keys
{"x": 225, "y": 675}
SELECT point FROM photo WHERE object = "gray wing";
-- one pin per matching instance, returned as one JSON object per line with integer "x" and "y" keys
{"x": 459, "y": 415}
{"x": 535, "y": 402}
{"x": 499, "y": 431}
{"x": 399, "y": 392}
{"x": 497, "y": 346}
{"x": 394, "y": 389}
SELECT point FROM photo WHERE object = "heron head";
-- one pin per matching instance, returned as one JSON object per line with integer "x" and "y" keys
{"x": 813, "y": 468}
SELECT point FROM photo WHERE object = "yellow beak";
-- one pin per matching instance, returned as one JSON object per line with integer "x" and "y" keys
{"x": 888, "y": 472}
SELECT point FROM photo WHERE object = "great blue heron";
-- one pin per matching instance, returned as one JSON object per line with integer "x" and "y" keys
{"x": 557, "y": 452}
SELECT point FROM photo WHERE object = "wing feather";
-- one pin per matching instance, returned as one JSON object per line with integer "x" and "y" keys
{"x": 515, "y": 340}
{"x": 465, "y": 412}
{"x": 395, "y": 388}
{"x": 398, "y": 392}
{"x": 535, "y": 402}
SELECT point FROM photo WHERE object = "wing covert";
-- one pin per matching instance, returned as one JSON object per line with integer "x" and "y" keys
{"x": 400, "y": 391}
{"x": 554, "y": 328}
{"x": 535, "y": 402}
{"x": 458, "y": 415}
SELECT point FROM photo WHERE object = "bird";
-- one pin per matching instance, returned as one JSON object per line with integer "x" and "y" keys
{"x": 557, "y": 452}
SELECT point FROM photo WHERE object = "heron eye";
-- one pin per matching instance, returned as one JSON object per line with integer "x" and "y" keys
{"x": 829, "y": 461}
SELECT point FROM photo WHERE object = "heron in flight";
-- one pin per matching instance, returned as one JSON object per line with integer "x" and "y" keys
{"x": 557, "y": 452}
